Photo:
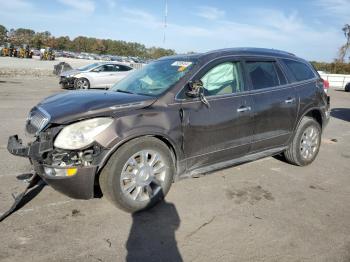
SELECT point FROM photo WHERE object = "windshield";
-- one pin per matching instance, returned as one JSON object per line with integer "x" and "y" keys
{"x": 88, "y": 67}
{"x": 153, "y": 79}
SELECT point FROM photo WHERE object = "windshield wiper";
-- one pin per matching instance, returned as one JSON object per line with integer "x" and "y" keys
{"x": 123, "y": 91}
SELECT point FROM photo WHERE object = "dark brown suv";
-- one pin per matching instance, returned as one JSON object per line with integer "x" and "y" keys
{"x": 176, "y": 117}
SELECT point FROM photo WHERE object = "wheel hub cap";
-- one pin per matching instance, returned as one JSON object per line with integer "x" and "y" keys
{"x": 309, "y": 142}
{"x": 143, "y": 175}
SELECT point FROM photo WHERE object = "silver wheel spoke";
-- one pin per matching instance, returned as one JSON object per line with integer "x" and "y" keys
{"x": 136, "y": 193}
{"x": 159, "y": 169}
{"x": 149, "y": 191}
{"x": 144, "y": 157}
{"x": 143, "y": 175}
{"x": 156, "y": 181}
{"x": 128, "y": 175}
{"x": 130, "y": 187}
{"x": 154, "y": 160}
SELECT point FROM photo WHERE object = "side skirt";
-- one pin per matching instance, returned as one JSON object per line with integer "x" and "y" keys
{"x": 215, "y": 167}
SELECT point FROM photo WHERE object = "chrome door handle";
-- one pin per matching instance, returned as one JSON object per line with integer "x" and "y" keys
{"x": 244, "y": 109}
{"x": 289, "y": 100}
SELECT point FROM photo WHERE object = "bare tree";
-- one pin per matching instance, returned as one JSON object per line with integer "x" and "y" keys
{"x": 343, "y": 49}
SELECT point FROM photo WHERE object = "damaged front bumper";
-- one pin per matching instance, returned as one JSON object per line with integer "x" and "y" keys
{"x": 78, "y": 183}
{"x": 67, "y": 82}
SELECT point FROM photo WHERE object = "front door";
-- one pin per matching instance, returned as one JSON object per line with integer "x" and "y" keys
{"x": 275, "y": 104}
{"x": 223, "y": 130}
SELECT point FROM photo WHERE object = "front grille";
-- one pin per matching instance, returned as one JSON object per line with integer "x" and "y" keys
{"x": 37, "y": 120}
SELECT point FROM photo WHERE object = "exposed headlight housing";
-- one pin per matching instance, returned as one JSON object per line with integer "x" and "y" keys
{"x": 81, "y": 134}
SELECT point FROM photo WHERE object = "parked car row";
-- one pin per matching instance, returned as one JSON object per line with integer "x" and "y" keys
{"x": 90, "y": 56}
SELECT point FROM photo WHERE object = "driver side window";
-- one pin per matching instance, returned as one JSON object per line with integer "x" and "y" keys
{"x": 223, "y": 79}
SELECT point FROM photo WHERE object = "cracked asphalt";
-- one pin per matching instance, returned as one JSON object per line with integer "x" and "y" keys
{"x": 265, "y": 210}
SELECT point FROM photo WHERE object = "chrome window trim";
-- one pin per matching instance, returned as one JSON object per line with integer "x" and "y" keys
{"x": 245, "y": 93}
{"x": 245, "y": 56}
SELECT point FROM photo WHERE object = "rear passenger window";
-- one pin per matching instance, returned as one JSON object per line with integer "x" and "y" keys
{"x": 263, "y": 74}
{"x": 299, "y": 70}
{"x": 124, "y": 68}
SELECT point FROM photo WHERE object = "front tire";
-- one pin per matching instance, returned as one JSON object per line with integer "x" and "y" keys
{"x": 138, "y": 175}
{"x": 347, "y": 87}
{"x": 81, "y": 83}
{"x": 306, "y": 143}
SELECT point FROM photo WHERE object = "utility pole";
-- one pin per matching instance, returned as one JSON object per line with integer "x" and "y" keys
{"x": 165, "y": 19}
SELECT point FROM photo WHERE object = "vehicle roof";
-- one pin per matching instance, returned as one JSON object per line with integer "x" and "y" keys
{"x": 234, "y": 51}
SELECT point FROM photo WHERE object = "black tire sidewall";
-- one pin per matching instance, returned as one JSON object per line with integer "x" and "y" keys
{"x": 309, "y": 122}
{"x": 347, "y": 87}
{"x": 117, "y": 162}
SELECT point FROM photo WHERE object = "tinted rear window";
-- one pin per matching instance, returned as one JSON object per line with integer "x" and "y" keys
{"x": 262, "y": 74}
{"x": 299, "y": 70}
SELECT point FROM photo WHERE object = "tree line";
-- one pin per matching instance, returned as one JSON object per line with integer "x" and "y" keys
{"x": 39, "y": 40}
{"x": 122, "y": 48}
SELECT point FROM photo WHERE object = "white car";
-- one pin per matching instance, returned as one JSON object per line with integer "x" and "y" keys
{"x": 97, "y": 75}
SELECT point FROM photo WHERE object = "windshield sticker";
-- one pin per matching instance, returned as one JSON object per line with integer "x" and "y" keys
{"x": 181, "y": 68}
{"x": 182, "y": 63}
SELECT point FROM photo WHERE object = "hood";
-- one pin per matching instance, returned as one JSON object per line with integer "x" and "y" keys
{"x": 70, "y": 72}
{"x": 73, "y": 105}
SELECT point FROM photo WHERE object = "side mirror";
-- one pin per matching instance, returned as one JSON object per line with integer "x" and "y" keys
{"x": 194, "y": 88}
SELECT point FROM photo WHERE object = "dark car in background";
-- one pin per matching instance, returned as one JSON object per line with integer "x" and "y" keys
{"x": 176, "y": 117}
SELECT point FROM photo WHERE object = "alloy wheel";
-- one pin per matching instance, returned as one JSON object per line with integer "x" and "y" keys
{"x": 143, "y": 175}
{"x": 309, "y": 142}
{"x": 82, "y": 84}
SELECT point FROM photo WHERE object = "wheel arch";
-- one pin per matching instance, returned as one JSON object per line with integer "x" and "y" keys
{"x": 86, "y": 76}
{"x": 161, "y": 137}
{"x": 314, "y": 113}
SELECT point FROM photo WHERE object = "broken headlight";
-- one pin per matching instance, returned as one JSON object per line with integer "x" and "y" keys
{"x": 81, "y": 134}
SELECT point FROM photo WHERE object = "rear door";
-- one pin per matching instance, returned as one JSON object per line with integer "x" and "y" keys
{"x": 100, "y": 76}
{"x": 222, "y": 131}
{"x": 274, "y": 103}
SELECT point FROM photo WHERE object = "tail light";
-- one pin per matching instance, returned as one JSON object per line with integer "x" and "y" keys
{"x": 325, "y": 86}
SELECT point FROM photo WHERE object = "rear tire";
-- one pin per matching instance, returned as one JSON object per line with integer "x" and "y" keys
{"x": 306, "y": 143}
{"x": 138, "y": 175}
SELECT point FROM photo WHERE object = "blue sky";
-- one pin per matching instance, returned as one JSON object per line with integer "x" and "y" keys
{"x": 308, "y": 28}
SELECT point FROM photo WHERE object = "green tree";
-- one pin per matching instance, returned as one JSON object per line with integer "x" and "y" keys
{"x": 22, "y": 36}
{"x": 344, "y": 49}
{"x": 63, "y": 43}
{"x": 3, "y": 34}
{"x": 82, "y": 44}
